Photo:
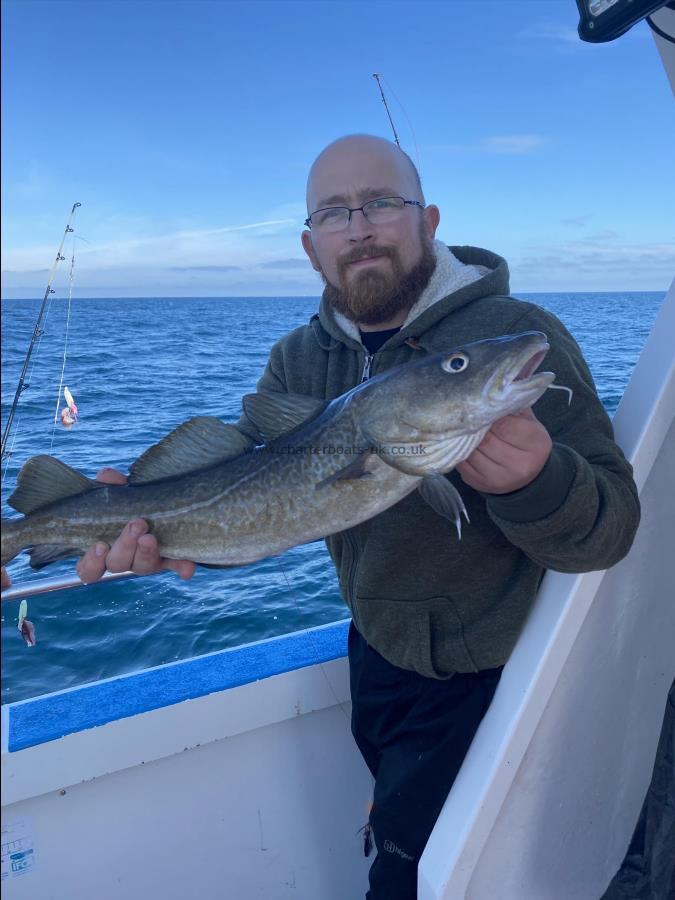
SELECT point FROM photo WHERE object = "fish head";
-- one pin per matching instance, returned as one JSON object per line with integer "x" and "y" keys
{"x": 451, "y": 399}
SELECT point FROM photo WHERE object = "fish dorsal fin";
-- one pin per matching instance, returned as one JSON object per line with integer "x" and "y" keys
{"x": 276, "y": 414}
{"x": 196, "y": 444}
{"x": 43, "y": 480}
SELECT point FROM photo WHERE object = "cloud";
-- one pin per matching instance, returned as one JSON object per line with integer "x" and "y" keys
{"x": 204, "y": 268}
{"x": 282, "y": 276}
{"x": 35, "y": 182}
{"x": 588, "y": 264}
{"x": 507, "y": 144}
{"x": 583, "y": 264}
{"x": 285, "y": 264}
{"x": 577, "y": 221}
{"x": 551, "y": 32}
{"x": 607, "y": 235}
{"x": 243, "y": 259}
{"x": 567, "y": 39}
{"x": 244, "y": 227}
{"x": 515, "y": 143}
{"x": 230, "y": 246}
{"x": 295, "y": 210}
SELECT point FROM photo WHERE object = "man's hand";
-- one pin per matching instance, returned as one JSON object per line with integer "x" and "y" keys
{"x": 134, "y": 550}
{"x": 510, "y": 456}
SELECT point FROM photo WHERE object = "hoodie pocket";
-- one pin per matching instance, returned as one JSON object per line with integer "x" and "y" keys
{"x": 425, "y": 636}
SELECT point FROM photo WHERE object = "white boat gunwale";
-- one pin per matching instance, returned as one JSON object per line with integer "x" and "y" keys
{"x": 207, "y": 698}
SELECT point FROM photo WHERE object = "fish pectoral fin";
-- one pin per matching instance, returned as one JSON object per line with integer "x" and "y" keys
{"x": 274, "y": 414}
{"x": 357, "y": 468}
{"x": 44, "y": 554}
{"x": 196, "y": 444}
{"x": 444, "y": 498}
{"x": 43, "y": 480}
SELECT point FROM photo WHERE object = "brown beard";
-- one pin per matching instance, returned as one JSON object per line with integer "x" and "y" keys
{"x": 376, "y": 296}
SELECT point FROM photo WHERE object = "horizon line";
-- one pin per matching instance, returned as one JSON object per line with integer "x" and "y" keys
{"x": 316, "y": 296}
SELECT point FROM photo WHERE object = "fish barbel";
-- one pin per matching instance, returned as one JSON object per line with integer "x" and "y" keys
{"x": 211, "y": 495}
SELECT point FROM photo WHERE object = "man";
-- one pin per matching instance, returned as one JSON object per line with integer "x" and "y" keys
{"x": 434, "y": 620}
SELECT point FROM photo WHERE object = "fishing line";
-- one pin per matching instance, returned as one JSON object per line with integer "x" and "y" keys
{"x": 407, "y": 118}
{"x": 314, "y": 644}
{"x": 8, "y": 456}
{"x": 365, "y": 830}
{"x": 65, "y": 346}
{"x": 377, "y": 76}
{"x": 38, "y": 331}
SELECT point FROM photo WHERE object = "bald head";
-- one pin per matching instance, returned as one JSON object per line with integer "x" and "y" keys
{"x": 356, "y": 164}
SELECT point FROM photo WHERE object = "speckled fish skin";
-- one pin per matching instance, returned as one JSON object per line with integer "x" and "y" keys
{"x": 297, "y": 488}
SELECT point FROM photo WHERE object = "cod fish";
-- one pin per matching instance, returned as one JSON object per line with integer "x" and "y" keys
{"x": 212, "y": 495}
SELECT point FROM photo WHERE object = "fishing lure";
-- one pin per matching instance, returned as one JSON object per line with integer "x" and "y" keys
{"x": 26, "y": 628}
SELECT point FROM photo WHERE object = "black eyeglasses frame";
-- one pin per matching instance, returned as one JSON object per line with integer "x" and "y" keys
{"x": 308, "y": 221}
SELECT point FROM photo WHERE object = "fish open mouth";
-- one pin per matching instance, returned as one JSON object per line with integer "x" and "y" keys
{"x": 520, "y": 379}
{"x": 533, "y": 363}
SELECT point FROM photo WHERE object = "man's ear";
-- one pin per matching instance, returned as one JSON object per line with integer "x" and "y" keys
{"x": 308, "y": 247}
{"x": 431, "y": 216}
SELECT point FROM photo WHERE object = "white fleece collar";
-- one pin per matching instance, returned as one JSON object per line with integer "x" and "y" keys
{"x": 449, "y": 276}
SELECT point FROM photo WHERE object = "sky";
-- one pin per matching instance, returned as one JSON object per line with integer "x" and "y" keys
{"x": 186, "y": 128}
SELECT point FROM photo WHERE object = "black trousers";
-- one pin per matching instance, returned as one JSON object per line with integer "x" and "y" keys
{"x": 413, "y": 733}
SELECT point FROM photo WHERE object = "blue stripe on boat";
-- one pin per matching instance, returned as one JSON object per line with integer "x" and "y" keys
{"x": 42, "y": 719}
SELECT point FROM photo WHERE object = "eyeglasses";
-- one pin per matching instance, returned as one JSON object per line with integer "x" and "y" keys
{"x": 378, "y": 212}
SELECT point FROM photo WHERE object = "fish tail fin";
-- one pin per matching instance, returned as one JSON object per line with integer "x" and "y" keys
{"x": 41, "y": 481}
{"x": 13, "y": 541}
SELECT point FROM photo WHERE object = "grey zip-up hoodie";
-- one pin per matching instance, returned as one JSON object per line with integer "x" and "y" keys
{"x": 423, "y": 599}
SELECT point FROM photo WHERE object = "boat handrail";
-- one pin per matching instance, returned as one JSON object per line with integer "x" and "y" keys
{"x": 47, "y": 585}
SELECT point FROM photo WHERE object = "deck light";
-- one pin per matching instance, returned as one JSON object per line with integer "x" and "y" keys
{"x": 605, "y": 20}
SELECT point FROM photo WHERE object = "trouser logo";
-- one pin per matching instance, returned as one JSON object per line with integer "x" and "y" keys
{"x": 391, "y": 847}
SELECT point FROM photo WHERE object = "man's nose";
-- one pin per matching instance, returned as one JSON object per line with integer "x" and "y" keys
{"x": 359, "y": 227}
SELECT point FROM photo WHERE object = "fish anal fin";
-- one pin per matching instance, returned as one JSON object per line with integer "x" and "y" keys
{"x": 44, "y": 480}
{"x": 44, "y": 554}
{"x": 274, "y": 414}
{"x": 196, "y": 444}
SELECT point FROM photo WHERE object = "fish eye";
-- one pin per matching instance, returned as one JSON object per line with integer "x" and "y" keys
{"x": 457, "y": 362}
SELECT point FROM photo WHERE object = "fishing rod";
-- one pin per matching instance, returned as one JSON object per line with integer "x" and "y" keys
{"x": 37, "y": 332}
{"x": 377, "y": 77}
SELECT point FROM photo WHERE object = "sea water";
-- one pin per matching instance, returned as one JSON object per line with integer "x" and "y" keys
{"x": 137, "y": 368}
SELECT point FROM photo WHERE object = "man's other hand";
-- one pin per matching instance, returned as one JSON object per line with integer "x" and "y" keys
{"x": 134, "y": 550}
{"x": 510, "y": 456}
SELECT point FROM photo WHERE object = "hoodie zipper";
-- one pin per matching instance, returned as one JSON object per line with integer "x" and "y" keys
{"x": 349, "y": 537}
{"x": 367, "y": 366}
{"x": 351, "y": 575}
